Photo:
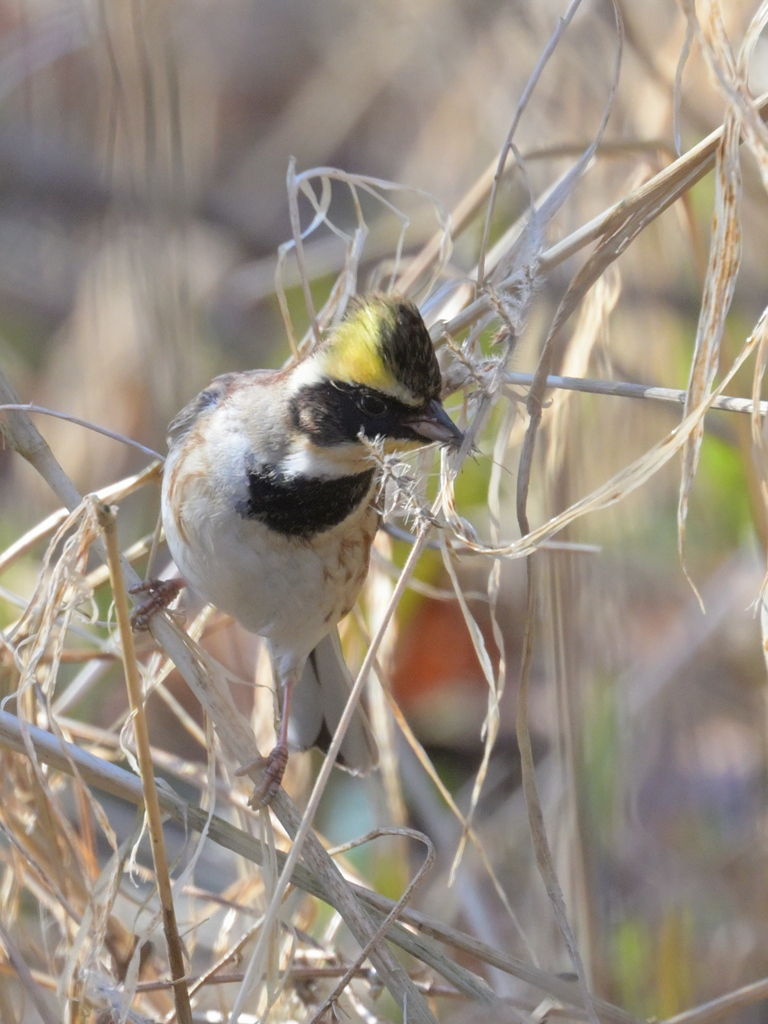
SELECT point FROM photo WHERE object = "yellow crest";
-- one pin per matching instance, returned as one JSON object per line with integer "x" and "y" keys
{"x": 353, "y": 353}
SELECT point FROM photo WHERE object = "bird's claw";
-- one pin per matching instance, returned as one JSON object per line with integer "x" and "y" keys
{"x": 160, "y": 594}
{"x": 273, "y": 768}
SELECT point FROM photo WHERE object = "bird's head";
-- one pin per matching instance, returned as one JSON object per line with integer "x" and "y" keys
{"x": 375, "y": 375}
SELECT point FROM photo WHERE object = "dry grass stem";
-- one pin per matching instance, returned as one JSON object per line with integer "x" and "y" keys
{"x": 107, "y": 519}
{"x": 579, "y": 753}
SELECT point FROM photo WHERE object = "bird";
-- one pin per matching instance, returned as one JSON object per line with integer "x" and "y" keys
{"x": 269, "y": 503}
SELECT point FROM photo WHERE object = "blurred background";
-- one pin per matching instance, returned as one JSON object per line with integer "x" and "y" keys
{"x": 144, "y": 148}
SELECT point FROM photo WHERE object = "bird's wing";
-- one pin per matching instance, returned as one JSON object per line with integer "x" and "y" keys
{"x": 208, "y": 399}
{"x": 317, "y": 705}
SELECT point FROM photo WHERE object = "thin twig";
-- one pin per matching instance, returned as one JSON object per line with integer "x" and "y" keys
{"x": 562, "y": 24}
{"x": 108, "y": 522}
{"x": 68, "y": 418}
{"x": 534, "y": 404}
{"x": 622, "y": 389}
{"x": 391, "y": 917}
{"x": 715, "y": 1009}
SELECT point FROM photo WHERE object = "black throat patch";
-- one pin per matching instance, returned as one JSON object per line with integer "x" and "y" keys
{"x": 300, "y": 506}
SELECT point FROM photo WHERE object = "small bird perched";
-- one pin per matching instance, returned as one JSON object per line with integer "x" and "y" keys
{"x": 268, "y": 502}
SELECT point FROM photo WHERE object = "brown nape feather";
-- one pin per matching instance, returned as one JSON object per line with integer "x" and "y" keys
{"x": 208, "y": 399}
{"x": 183, "y": 421}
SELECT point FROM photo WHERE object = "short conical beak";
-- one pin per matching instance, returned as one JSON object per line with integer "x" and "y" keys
{"x": 436, "y": 425}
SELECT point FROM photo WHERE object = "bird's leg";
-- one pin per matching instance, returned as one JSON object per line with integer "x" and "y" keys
{"x": 160, "y": 594}
{"x": 274, "y": 764}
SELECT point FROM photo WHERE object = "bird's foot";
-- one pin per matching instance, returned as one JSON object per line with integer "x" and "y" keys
{"x": 273, "y": 768}
{"x": 160, "y": 593}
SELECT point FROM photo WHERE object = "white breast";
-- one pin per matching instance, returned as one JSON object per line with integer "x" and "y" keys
{"x": 287, "y": 589}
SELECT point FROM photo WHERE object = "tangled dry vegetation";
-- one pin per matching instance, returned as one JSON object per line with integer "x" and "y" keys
{"x": 610, "y": 823}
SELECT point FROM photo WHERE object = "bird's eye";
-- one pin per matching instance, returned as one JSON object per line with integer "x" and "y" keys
{"x": 371, "y": 405}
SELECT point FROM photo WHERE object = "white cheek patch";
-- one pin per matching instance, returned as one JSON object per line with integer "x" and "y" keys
{"x": 309, "y": 371}
{"x": 317, "y": 463}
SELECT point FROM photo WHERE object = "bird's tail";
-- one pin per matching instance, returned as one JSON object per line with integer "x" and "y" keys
{"x": 318, "y": 702}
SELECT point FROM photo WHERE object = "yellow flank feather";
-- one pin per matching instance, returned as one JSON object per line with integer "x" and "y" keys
{"x": 354, "y": 353}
